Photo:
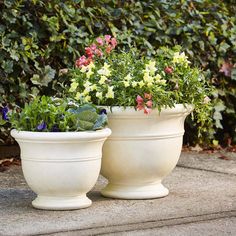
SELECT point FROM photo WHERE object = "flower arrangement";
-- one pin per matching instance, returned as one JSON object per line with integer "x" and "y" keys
{"x": 47, "y": 114}
{"x": 104, "y": 76}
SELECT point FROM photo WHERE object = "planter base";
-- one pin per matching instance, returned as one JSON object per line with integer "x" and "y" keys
{"x": 135, "y": 192}
{"x": 61, "y": 203}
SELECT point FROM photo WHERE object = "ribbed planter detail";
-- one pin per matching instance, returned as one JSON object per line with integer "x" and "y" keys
{"x": 61, "y": 167}
{"x": 141, "y": 151}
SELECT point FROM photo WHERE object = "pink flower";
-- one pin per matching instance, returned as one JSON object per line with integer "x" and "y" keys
{"x": 147, "y": 111}
{"x": 107, "y": 38}
{"x": 139, "y": 100}
{"x": 100, "y": 41}
{"x": 168, "y": 70}
{"x": 89, "y": 52}
{"x": 147, "y": 96}
{"x": 98, "y": 52}
{"x": 108, "y": 49}
{"x": 83, "y": 61}
{"x": 139, "y": 107}
{"x": 149, "y": 103}
{"x": 113, "y": 42}
{"x": 93, "y": 47}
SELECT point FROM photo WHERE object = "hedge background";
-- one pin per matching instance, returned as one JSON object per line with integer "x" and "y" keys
{"x": 39, "y": 37}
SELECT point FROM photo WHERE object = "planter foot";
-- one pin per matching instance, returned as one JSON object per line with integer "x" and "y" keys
{"x": 61, "y": 203}
{"x": 135, "y": 192}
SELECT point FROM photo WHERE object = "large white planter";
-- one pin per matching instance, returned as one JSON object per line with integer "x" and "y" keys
{"x": 61, "y": 167}
{"x": 141, "y": 151}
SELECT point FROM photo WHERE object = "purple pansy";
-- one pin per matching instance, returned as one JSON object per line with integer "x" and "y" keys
{"x": 41, "y": 126}
{"x": 103, "y": 111}
{"x": 55, "y": 128}
{"x": 4, "y": 113}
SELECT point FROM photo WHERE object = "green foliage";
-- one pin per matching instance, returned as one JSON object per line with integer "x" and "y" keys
{"x": 38, "y": 38}
{"x": 47, "y": 114}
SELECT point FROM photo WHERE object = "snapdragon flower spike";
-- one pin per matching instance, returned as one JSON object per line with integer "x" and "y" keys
{"x": 147, "y": 96}
{"x": 41, "y": 126}
{"x": 100, "y": 41}
{"x": 4, "y": 113}
{"x": 83, "y": 61}
{"x": 107, "y": 38}
{"x": 139, "y": 99}
{"x": 149, "y": 103}
{"x": 89, "y": 52}
{"x": 144, "y": 103}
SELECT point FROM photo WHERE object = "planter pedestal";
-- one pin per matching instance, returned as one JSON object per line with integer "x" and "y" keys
{"x": 61, "y": 203}
{"x": 135, "y": 192}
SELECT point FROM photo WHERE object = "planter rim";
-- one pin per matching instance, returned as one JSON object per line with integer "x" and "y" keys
{"x": 177, "y": 109}
{"x": 60, "y": 136}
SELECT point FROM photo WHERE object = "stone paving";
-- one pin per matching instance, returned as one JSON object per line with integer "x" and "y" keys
{"x": 202, "y": 201}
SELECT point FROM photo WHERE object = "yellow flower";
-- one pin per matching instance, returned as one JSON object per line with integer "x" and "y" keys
{"x": 83, "y": 69}
{"x": 157, "y": 77}
{"x": 180, "y": 58}
{"x": 128, "y": 77}
{"x": 134, "y": 84}
{"x": 91, "y": 66}
{"x": 110, "y": 92}
{"x": 147, "y": 78}
{"x": 73, "y": 87}
{"x": 141, "y": 84}
{"x": 93, "y": 87}
{"x": 78, "y": 96}
{"x": 105, "y": 70}
{"x": 89, "y": 73}
{"x": 87, "y": 99}
{"x": 99, "y": 95}
{"x": 102, "y": 79}
{"x": 87, "y": 84}
{"x": 151, "y": 67}
{"x": 126, "y": 83}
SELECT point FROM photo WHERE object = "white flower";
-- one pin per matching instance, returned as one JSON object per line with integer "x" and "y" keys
{"x": 110, "y": 92}
{"x": 151, "y": 67}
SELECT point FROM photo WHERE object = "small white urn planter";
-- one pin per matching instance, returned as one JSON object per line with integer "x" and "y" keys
{"x": 61, "y": 167}
{"x": 141, "y": 151}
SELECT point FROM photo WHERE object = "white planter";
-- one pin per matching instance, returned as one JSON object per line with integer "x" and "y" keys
{"x": 61, "y": 167}
{"x": 141, "y": 151}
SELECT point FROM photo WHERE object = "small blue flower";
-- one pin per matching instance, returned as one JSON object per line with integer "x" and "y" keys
{"x": 4, "y": 113}
{"x": 103, "y": 111}
{"x": 55, "y": 128}
{"x": 41, "y": 126}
